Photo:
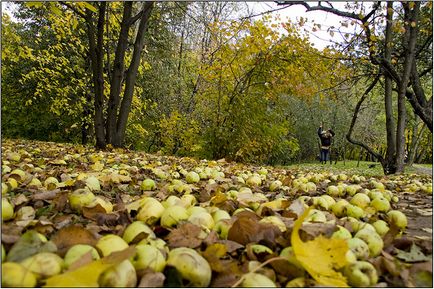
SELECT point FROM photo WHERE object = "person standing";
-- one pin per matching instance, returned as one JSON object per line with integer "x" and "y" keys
{"x": 326, "y": 141}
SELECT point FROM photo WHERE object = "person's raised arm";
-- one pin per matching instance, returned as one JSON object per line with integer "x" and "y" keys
{"x": 332, "y": 132}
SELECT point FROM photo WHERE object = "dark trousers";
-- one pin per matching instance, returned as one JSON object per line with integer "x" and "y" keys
{"x": 324, "y": 155}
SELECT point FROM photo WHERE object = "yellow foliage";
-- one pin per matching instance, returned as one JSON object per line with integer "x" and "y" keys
{"x": 320, "y": 257}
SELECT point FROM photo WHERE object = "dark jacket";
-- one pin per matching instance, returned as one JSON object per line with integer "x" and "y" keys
{"x": 325, "y": 140}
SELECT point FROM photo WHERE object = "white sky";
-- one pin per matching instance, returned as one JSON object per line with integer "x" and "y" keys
{"x": 321, "y": 38}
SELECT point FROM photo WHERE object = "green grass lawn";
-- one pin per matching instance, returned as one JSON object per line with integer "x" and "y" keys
{"x": 350, "y": 167}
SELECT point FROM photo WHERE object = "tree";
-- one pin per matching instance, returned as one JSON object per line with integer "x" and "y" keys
{"x": 110, "y": 128}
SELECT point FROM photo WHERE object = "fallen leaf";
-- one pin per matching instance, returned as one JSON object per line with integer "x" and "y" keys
{"x": 70, "y": 236}
{"x": 415, "y": 254}
{"x": 28, "y": 245}
{"x": 186, "y": 235}
{"x": 321, "y": 257}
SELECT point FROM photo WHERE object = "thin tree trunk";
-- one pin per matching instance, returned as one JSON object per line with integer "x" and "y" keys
{"x": 117, "y": 75}
{"x": 390, "y": 122}
{"x": 132, "y": 75}
{"x": 409, "y": 44}
{"x": 97, "y": 63}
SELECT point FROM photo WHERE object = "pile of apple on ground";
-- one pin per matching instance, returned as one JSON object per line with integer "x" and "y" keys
{"x": 73, "y": 216}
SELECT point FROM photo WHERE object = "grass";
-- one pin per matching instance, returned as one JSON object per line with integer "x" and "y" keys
{"x": 350, "y": 167}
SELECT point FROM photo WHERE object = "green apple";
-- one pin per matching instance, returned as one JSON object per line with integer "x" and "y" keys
{"x": 330, "y": 201}
{"x": 397, "y": 218}
{"x": 372, "y": 239}
{"x": 361, "y": 274}
{"x": 254, "y": 181}
{"x": 311, "y": 187}
{"x": 120, "y": 275}
{"x": 354, "y": 211}
{"x": 173, "y": 215}
{"x": 373, "y": 194}
{"x": 44, "y": 264}
{"x": 320, "y": 202}
{"x": 35, "y": 183}
{"x": 192, "y": 177}
{"x": 188, "y": 200}
{"x": 380, "y": 204}
{"x": 288, "y": 254}
{"x": 150, "y": 212}
{"x": 110, "y": 243}
{"x": 298, "y": 282}
{"x": 275, "y": 185}
{"x": 148, "y": 185}
{"x": 332, "y": 191}
{"x": 77, "y": 251}
{"x": 15, "y": 275}
{"x": 262, "y": 171}
{"x": 275, "y": 221}
{"x": 351, "y": 190}
{"x": 342, "y": 177}
{"x": 341, "y": 233}
{"x": 257, "y": 280}
{"x": 222, "y": 228}
{"x": 258, "y": 249}
{"x": 148, "y": 256}
{"x": 80, "y": 198}
{"x": 196, "y": 209}
{"x": 51, "y": 183}
{"x": 360, "y": 200}
{"x": 136, "y": 228}
{"x": 5, "y": 189}
{"x": 7, "y": 210}
{"x": 339, "y": 208}
{"x": 202, "y": 219}
{"x": 381, "y": 227}
{"x": 191, "y": 266}
{"x": 220, "y": 215}
{"x": 359, "y": 248}
{"x": 316, "y": 216}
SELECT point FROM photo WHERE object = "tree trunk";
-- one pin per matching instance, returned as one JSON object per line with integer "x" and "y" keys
{"x": 97, "y": 62}
{"x": 132, "y": 75}
{"x": 414, "y": 145}
{"x": 117, "y": 75}
{"x": 409, "y": 44}
{"x": 390, "y": 122}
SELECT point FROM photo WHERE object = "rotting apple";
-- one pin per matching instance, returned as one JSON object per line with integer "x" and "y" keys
{"x": 80, "y": 198}
{"x": 150, "y": 212}
{"x": 341, "y": 233}
{"x": 192, "y": 177}
{"x": 359, "y": 248}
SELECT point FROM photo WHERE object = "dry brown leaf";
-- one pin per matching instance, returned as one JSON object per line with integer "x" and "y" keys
{"x": 70, "y": 236}
{"x": 186, "y": 235}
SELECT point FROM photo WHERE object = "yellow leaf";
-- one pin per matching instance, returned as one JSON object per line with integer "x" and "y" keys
{"x": 88, "y": 275}
{"x": 88, "y": 6}
{"x": 320, "y": 257}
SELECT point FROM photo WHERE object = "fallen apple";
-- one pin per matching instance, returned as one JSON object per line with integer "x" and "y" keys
{"x": 372, "y": 239}
{"x": 332, "y": 191}
{"x": 381, "y": 227}
{"x": 220, "y": 215}
{"x": 202, "y": 219}
{"x": 192, "y": 177}
{"x": 80, "y": 198}
{"x": 148, "y": 256}
{"x": 135, "y": 229}
{"x": 7, "y": 210}
{"x": 359, "y": 248}
{"x": 44, "y": 264}
{"x": 361, "y": 274}
{"x": 150, "y": 212}
{"x": 93, "y": 183}
{"x": 257, "y": 280}
{"x": 397, "y": 219}
{"x": 173, "y": 215}
{"x": 120, "y": 275}
{"x": 110, "y": 243}
{"x": 360, "y": 200}
{"x": 78, "y": 251}
{"x": 339, "y": 208}
{"x": 275, "y": 185}
{"x": 254, "y": 181}
{"x": 275, "y": 221}
{"x": 341, "y": 233}
{"x": 148, "y": 185}
{"x": 15, "y": 275}
{"x": 191, "y": 266}
{"x": 380, "y": 204}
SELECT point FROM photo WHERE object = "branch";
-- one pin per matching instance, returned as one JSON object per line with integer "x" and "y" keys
{"x": 74, "y": 9}
{"x": 353, "y": 121}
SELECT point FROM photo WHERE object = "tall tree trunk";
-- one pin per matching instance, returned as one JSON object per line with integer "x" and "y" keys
{"x": 409, "y": 44}
{"x": 132, "y": 75}
{"x": 414, "y": 145}
{"x": 389, "y": 164}
{"x": 97, "y": 62}
{"x": 117, "y": 75}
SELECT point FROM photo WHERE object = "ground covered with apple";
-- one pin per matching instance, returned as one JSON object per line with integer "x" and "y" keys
{"x": 73, "y": 216}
